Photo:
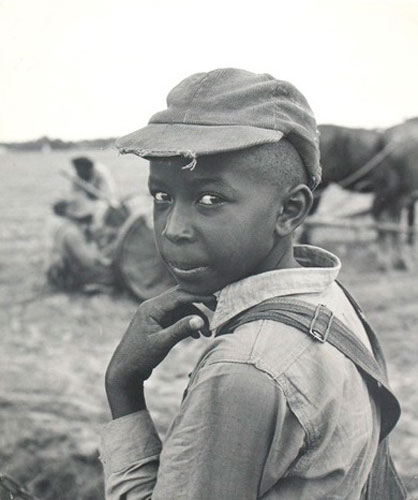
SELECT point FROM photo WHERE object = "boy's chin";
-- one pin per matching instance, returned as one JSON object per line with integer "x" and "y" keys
{"x": 198, "y": 288}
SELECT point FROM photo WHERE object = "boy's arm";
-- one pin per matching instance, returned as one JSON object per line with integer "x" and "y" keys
{"x": 131, "y": 439}
{"x": 233, "y": 418}
{"x": 130, "y": 452}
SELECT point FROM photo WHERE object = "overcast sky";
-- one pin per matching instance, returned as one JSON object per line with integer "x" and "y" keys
{"x": 98, "y": 68}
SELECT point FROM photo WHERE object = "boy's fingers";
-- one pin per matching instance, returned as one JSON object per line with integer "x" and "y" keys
{"x": 186, "y": 327}
{"x": 172, "y": 299}
{"x": 181, "y": 312}
{"x": 205, "y": 331}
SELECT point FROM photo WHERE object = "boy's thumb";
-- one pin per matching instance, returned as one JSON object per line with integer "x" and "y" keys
{"x": 183, "y": 328}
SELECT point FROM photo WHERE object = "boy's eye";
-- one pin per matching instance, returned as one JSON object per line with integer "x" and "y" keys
{"x": 161, "y": 197}
{"x": 209, "y": 199}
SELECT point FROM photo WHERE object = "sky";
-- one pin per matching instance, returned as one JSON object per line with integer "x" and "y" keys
{"x": 83, "y": 69}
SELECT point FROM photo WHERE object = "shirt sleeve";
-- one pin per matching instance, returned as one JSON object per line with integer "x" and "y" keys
{"x": 129, "y": 452}
{"x": 233, "y": 418}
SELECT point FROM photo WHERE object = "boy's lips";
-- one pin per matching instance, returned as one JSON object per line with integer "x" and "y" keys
{"x": 186, "y": 269}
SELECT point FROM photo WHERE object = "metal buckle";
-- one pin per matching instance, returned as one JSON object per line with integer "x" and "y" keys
{"x": 316, "y": 333}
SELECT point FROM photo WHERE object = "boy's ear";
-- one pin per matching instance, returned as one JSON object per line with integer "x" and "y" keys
{"x": 295, "y": 208}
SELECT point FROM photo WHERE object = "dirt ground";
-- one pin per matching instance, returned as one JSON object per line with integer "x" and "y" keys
{"x": 55, "y": 346}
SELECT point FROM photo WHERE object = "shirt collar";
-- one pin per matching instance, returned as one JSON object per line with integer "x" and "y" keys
{"x": 319, "y": 271}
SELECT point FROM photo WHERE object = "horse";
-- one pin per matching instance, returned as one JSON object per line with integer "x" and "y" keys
{"x": 395, "y": 188}
{"x": 377, "y": 161}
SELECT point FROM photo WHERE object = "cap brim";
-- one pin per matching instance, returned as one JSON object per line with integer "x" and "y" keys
{"x": 166, "y": 140}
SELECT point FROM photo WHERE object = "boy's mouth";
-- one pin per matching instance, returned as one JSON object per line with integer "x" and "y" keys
{"x": 185, "y": 269}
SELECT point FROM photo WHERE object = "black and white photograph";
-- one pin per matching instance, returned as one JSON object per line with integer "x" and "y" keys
{"x": 209, "y": 250}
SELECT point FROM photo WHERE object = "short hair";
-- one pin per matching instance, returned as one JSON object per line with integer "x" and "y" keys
{"x": 277, "y": 163}
{"x": 82, "y": 163}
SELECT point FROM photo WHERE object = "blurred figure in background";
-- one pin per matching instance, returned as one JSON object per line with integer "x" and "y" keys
{"x": 76, "y": 261}
{"x": 94, "y": 181}
{"x": 96, "y": 174}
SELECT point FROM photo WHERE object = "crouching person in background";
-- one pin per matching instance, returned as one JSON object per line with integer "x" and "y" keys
{"x": 76, "y": 262}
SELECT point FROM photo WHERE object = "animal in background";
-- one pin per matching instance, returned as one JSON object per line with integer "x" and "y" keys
{"x": 382, "y": 162}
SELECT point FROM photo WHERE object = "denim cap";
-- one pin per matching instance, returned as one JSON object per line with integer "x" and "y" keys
{"x": 228, "y": 110}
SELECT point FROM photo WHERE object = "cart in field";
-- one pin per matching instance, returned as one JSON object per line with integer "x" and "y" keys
{"x": 138, "y": 265}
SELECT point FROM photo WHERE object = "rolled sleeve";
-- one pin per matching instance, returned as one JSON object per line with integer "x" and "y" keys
{"x": 130, "y": 449}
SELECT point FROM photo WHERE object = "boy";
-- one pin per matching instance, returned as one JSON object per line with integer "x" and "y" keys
{"x": 269, "y": 412}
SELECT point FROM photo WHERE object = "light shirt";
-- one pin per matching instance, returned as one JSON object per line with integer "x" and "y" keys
{"x": 101, "y": 180}
{"x": 269, "y": 412}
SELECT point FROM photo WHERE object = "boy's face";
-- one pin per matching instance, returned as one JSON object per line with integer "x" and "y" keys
{"x": 215, "y": 224}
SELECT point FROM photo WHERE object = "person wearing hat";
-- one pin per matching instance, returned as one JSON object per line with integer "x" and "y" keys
{"x": 76, "y": 261}
{"x": 270, "y": 411}
{"x": 94, "y": 175}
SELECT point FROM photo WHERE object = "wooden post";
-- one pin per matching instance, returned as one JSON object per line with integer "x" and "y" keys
{"x": 351, "y": 224}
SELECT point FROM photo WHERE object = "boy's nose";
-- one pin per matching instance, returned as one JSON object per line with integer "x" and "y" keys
{"x": 178, "y": 226}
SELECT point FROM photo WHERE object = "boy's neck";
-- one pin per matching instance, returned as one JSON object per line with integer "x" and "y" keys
{"x": 281, "y": 258}
{"x": 288, "y": 261}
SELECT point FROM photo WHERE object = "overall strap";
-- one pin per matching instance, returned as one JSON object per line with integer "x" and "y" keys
{"x": 321, "y": 324}
{"x": 383, "y": 481}
{"x": 377, "y": 350}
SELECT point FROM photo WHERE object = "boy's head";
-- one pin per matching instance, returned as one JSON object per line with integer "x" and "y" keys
{"x": 231, "y": 160}
{"x": 229, "y": 110}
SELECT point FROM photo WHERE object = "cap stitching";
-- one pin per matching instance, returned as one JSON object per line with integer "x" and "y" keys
{"x": 193, "y": 97}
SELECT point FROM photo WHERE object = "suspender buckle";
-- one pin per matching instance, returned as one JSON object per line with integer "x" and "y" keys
{"x": 321, "y": 323}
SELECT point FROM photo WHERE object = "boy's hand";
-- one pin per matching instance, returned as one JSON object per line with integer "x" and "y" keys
{"x": 158, "y": 325}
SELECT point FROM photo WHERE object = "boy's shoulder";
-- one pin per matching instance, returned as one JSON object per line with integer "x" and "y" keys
{"x": 277, "y": 349}
{"x": 316, "y": 379}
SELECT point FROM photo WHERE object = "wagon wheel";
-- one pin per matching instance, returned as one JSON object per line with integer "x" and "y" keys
{"x": 137, "y": 262}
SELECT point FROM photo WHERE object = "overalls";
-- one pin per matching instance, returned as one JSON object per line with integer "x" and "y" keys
{"x": 383, "y": 482}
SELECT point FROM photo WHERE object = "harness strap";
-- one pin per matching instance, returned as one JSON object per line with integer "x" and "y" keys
{"x": 375, "y": 161}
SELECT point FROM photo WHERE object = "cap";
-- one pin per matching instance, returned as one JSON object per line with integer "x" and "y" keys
{"x": 227, "y": 110}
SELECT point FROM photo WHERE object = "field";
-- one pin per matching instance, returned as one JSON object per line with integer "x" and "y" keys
{"x": 55, "y": 346}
